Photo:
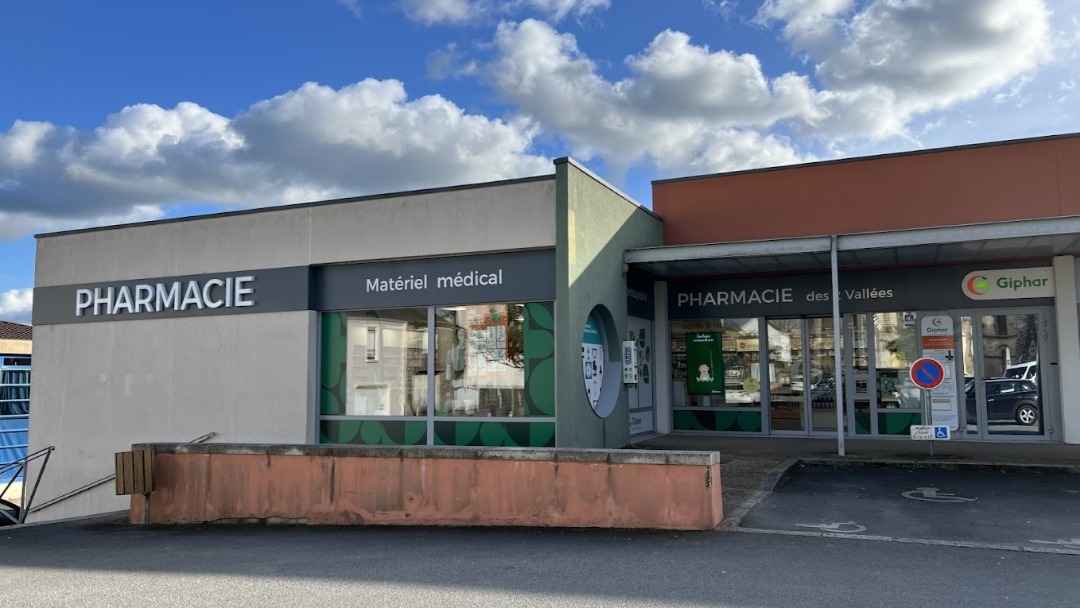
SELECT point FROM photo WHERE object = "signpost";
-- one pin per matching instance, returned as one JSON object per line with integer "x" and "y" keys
{"x": 933, "y": 373}
{"x": 938, "y": 345}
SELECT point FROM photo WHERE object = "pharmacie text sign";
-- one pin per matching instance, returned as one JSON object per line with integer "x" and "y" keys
{"x": 250, "y": 291}
{"x": 811, "y": 294}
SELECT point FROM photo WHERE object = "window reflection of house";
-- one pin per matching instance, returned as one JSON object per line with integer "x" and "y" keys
{"x": 1008, "y": 340}
{"x": 387, "y": 367}
{"x": 479, "y": 361}
{"x": 480, "y": 353}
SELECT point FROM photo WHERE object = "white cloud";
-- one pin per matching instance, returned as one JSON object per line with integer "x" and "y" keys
{"x": 812, "y": 26}
{"x": 881, "y": 66}
{"x": 16, "y": 305}
{"x": 559, "y": 9}
{"x": 680, "y": 111}
{"x": 724, "y": 8}
{"x": 14, "y": 226}
{"x": 353, "y": 6}
{"x": 442, "y": 11}
{"x": 457, "y": 12}
{"x": 312, "y": 143}
{"x": 873, "y": 68}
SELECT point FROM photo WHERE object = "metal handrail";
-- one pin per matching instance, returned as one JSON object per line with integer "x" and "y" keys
{"x": 19, "y": 466}
{"x": 103, "y": 480}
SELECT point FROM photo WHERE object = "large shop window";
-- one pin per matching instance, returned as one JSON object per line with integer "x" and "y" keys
{"x": 387, "y": 363}
{"x": 446, "y": 364}
{"x": 481, "y": 354}
{"x": 716, "y": 363}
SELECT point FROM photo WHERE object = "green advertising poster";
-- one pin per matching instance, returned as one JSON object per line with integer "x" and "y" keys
{"x": 704, "y": 364}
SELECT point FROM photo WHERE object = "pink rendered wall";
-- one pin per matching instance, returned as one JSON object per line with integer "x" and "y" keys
{"x": 351, "y": 490}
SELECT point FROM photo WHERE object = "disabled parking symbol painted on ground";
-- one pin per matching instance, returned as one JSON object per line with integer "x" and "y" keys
{"x": 931, "y": 494}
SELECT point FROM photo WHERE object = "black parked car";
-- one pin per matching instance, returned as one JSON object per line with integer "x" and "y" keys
{"x": 1007, "y": 400}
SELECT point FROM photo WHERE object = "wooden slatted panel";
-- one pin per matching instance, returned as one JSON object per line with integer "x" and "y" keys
{"x": 144, "y": 472}
{"x": 135, "y": 472}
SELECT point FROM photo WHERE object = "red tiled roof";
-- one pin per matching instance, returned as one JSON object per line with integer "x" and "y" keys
{"x": 15, "y": 331}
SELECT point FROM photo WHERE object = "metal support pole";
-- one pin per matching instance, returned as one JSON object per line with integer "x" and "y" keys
{"x": 838, "y": 332}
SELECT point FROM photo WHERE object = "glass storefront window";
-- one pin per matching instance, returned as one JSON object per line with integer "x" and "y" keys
{"x": 376, "y": 363}
{"x": 787, "y": 385}
{"x": 422, "y": 376}
{"x": 386, "y": 363}
{"x": 896, "y": 347}
{"x": 716, "y": 363}
{"x": 480, "y": 359}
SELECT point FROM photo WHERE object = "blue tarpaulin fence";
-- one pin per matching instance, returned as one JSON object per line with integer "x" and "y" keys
{"x": 14, "y": 410}
{"x": 14, "y": 436}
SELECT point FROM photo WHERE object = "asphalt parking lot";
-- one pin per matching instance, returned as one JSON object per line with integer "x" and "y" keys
{"x": 1017, "y": 507}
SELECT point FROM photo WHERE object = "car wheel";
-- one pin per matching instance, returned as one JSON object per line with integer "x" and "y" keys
{"x": 1027, "y": 415}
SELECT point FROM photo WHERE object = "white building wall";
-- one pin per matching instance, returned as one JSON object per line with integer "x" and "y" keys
{"x": 469, "y": 220}
{"x": 1068, "y": 339}
{"x": 99, "y": 387}
{"x": 466, "y": 220}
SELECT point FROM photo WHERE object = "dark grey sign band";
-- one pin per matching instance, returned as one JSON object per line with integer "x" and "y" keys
{"x": 520, "y": 276}
{"x": 272, "y": 290}
{"x": 896, "y": 289}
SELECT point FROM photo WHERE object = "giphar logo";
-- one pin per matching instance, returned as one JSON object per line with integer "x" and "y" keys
{"x": 1009, "y": 284}
{"x": 976, "y": 285}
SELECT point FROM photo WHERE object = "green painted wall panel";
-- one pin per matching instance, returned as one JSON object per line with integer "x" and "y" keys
{"x": 595, "y": 225}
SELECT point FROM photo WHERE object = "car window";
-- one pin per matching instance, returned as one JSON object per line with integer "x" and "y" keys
{"x": 993, "y": 388}
{"x": 1007, "y": 387}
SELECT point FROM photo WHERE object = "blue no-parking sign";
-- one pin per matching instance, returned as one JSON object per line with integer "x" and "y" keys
{"x": 927, "y": 373}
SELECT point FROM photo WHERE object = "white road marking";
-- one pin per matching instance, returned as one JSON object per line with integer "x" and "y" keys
{"x": 930, "y": 494}
{"x": 849, "y": 527}
{"x": 1073, "y": 543}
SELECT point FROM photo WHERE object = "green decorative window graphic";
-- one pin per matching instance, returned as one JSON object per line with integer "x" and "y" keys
{"x": 373, "y": 432}
{"x": 381, "y": 382}
{"x": 496, "y": 434}
{"x": 713, "y": 420}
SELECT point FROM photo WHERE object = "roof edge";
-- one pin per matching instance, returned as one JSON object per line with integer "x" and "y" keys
{"x": 887, "y": 155}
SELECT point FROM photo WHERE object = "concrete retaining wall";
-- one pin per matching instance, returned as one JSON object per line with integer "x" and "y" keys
{"x": 460, "y": 486}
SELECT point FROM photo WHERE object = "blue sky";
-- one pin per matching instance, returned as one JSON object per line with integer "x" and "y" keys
{"x": 124, "y": 111}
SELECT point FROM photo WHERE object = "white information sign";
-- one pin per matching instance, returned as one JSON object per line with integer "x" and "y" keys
{"x": 629, "y": 362}
{"x": 939, "y": 343}
{"x": 926, "y": 432}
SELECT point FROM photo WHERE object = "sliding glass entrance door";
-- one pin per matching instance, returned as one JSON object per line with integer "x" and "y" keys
{"x": 821, "y": 370}
{"x": 802, "y": 364}
{"x": 1007, "y": 385}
